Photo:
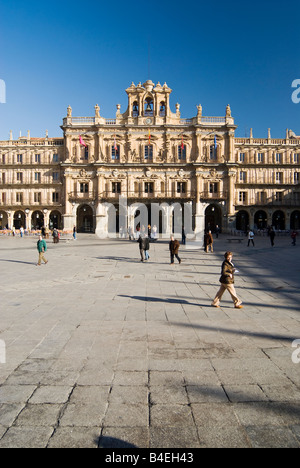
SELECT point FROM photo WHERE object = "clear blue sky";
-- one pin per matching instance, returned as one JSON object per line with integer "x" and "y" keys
{"x": 213, "y": 53}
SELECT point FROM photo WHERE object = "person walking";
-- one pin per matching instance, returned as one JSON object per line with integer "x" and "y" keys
{"x": 174, "y": 249}
{"x": 251, "y": 238}
{"x": 294, "y": 237}
{"x": 272, "y": 236}
{"x": 146, "y": 247}
{"x": 55, "y": 236}
{"x": 209, "y": 242}
{"x": 42, "y": 248}
{"x": 141, "y": 247}
{"x": 74, "y": 233}
{"x": 183, "y": 236}
{"x": 227, "y": 282}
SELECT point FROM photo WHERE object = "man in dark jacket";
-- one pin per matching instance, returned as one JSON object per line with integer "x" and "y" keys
{"x": 142, "y": 244}
{"x": 227, "y": 282}
{"x": 146, "y": 245}
{"x": 174, "y": 248}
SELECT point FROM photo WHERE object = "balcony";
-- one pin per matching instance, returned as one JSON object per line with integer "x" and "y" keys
{"x": 81, "y": 197}
{"x": 286, "y": 200}
{"x": 171, "y": 195}
{"x": 217, "y": 196}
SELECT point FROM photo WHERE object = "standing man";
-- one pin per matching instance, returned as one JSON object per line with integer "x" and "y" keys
{"x": 251, "y": 238}
{"x": 74, "y": 232}
{"x": 227, "y": 283}
{"x": 272, "y": 236}
{"x": 174, "y": 249}
{"x": 146, "y": 245}
{"x": 42, "y": 248}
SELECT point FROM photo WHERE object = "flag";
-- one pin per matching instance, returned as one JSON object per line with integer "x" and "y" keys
{"x": 182, "y": 144}
{"x": 115, "y": 144}
{"x": 82, "y": 142}
{"x": 149, "y": 137}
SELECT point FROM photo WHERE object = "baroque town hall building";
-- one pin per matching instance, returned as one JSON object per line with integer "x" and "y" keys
{"x": 148, "y": 155}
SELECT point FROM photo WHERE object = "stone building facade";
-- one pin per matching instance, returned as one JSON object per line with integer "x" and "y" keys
{"x": 149, "y": 165}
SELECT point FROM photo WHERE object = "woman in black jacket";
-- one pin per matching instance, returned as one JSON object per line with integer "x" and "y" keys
{"x": 227, "y": 283}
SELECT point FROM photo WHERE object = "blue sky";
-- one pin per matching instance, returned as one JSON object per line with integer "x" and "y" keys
{"x": 56, "y": 53}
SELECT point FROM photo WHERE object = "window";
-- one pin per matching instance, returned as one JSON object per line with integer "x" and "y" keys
{"x": 55, "y": 197}
{"x": 149, "y": 186}
{"x": 260, "y": 157}
{"x": 86, "y": 153}
{"x": 116, "y": 187}
{"x": 296, "y": 177}
{"x": 278, "y": 158}
{"x": 3, "y": 197}
{"x": 37, "y": 177}
{"x": 37, "y": 197}
{"x": 279, "y": 177}
{"x": 242, "y": 157}
{"x": 181, "y": 187}
{"x": 278, "y": 196}
{"x": 213, "y": 187}
{"x": 242, "y": 197}
{"x": 243, "y": 176}
{"x": 84, "y": 188}
{"x": 19, "y": 158}
{"x": 55, "y": 176}
{"x": 2, "y": 178}
{"x": 115, "y": 152}
{"x": 182, "y": 152}
{"x": 37, "y": 158}
{"x": 55, "y": 158}
{"x": 3, "y": 159}
{"x": 149, "y": 152}
{"x": 296, "y": 158}
{"x": 20, "y": 177}
{"x": 19, "y": 197}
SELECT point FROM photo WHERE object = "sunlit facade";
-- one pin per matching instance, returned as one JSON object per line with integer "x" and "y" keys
{"x": 150, "y": 155}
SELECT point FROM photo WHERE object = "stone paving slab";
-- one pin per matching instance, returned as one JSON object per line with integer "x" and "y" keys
{"x": 105, "y": 351}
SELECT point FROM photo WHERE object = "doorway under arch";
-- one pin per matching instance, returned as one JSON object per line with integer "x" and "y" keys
{"x": 37, "y": 220}
{"x": 55, "y": 220}
{"x": 19, "y": 219}
{"x": 261, "y": 219}
{"x": 213, "y": 218}
{"x": 85, "y": 219}
{"x": 3, "y": 220}
{"x": 295, "y": 220}
{"x": 242, "y": 221}
{"x": 278, "y": 220}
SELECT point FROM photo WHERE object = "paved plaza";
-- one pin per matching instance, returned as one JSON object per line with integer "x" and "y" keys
{"x": 102, "y": 350}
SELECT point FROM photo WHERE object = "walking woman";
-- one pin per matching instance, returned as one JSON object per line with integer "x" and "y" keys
{"x": 227, "y": 283}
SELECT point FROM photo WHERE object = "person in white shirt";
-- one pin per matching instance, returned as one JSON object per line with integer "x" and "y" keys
{"x": 251, "y": 238}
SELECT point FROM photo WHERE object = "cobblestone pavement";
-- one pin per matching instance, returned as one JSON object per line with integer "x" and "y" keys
{"x": 102, "y": 350}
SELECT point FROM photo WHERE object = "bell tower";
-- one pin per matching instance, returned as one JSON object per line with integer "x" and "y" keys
{"x": 148, "y": 104}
